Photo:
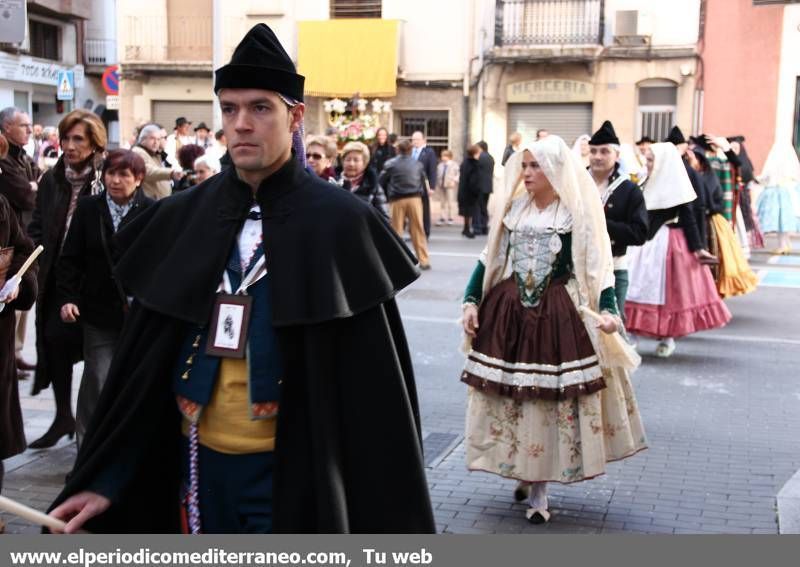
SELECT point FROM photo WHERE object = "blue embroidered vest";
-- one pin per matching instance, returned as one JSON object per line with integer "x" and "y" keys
{"x": 196, "y": 372}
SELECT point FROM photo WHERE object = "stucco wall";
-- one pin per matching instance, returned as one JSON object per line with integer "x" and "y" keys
{"x": 789, "y": 72}
{"x": 741, "y": 55}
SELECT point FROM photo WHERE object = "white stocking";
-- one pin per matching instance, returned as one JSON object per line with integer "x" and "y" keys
{"x": 538, "y": 497}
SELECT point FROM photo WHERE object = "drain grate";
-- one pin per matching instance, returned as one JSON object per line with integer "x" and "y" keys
{"x": 437, "y": 446}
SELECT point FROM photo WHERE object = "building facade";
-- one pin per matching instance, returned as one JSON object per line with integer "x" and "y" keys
{"x": 52, "y": 33}
{"x": 750, "y": 83}
{"x": 568, "y": 65}
{"x": 166, "y": 54}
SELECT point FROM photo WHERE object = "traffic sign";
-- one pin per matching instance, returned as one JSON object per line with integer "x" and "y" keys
{"x": 112, "y": 102}
{"x": 65, "y": 83}
{"x": 110, "y": 80}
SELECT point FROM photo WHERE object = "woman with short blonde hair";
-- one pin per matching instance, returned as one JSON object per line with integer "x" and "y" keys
{"x": 360, "y": 179}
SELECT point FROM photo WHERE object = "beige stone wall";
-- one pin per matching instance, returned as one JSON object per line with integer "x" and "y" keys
{"x": 493, "y": 126}
{"x": 421, "y": 98}
{"x": 615, "y": 95}
{"x": 137, "y": 96}
{"x": 408, "y": 98}
{"x": 616, "y": 82}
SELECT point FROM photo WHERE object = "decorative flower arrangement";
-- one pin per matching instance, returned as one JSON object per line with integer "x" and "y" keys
{"x": 352, "y": 121}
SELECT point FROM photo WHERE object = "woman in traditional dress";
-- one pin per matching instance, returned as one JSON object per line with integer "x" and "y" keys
{"x": 671, "y": 292}
{"x": 733, "y": 275}
{"x": 550, "y": 398}
{"x": 779, "y": 203}
{"x": 746, "y": 179}
{"x": 581, "y": 149}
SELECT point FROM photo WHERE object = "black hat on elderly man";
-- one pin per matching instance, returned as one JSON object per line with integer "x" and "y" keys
{"x": 260, "y": 62}
{"x": 605, "y": 135}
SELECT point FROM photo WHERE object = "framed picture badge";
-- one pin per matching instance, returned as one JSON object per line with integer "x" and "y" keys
{"x": 229, "y": 323}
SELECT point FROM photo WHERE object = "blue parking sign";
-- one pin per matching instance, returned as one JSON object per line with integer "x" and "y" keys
{"x": 65, "y": 85}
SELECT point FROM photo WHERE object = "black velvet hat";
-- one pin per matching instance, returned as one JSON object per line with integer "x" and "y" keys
{"x": 260, "y": 62}
{"x": 646, "y": 140}
{"x": 702, "y": 141}
{"x": 605, "y": 135}
{"x": 676, "y": 136}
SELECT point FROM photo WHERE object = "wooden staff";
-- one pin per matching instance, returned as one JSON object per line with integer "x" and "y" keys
{"x": 31, "y": 259}
{"x": 18, "y": 276}
{"x": 33, "y": 516}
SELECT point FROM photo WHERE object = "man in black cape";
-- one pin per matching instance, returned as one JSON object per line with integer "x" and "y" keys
{"x": 326, "y": 435}
{"x": 623, "y": 204}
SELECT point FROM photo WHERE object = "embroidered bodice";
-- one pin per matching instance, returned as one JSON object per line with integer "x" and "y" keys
{"x": 537, "y": 242}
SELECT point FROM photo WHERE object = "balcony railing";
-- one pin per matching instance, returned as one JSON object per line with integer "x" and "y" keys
{"x": 522, "y": 23}
{"x": 99, "y": 52}
{"x": 150, "y": 39}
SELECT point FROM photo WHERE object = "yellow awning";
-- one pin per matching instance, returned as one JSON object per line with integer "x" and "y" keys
{"x": 342, "y": 57}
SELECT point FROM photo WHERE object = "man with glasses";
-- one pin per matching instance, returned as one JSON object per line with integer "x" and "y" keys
{"x": 623, "y": 203}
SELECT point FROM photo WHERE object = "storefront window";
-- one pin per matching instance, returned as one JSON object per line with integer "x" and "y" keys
{"x": 434, "y": 124}
{"x": 356, "y": 8}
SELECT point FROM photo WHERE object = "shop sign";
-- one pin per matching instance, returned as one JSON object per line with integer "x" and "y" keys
{"x": 24, "y": 69}
{"x": 550, "y": 90}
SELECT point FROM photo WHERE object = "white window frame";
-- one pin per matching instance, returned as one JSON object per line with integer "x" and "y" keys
{"x": 648, "y": 108}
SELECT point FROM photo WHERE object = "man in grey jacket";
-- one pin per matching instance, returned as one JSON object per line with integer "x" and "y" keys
{"x": 404, "y": 180}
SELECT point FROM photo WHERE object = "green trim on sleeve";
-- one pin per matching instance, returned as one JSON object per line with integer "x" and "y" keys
{"x": 608, "y": 301}
{"x": 474, "y": 291}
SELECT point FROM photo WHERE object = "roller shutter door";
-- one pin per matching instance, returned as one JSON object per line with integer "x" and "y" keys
{"x": 166, "y": 111}
{"x": 566, "y": 120}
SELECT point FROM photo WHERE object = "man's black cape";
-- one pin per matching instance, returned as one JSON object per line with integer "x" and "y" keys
{"x": 348, "y": 449}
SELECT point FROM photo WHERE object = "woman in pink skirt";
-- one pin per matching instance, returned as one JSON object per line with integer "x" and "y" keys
{"x": 672, "y": 293}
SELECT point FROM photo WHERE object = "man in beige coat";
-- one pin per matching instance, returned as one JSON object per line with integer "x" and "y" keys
{"x": 158, "y": 179}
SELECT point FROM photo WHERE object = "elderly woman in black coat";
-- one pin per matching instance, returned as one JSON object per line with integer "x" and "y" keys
{"x": 90, "y": 294}
{"x": 59, "y": 345}
{"x": 361, "y": 180}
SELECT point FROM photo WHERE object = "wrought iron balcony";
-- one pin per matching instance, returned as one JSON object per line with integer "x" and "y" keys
{"x": 521, "y": 23}
{"x": 99, "y": 52}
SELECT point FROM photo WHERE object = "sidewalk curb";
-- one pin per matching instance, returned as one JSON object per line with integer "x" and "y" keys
{"x": 789, "y": 506}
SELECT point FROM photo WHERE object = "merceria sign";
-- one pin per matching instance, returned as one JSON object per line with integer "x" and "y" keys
{"x": 550, "y": 90}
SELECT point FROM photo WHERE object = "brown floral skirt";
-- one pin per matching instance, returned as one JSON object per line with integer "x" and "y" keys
{"x": 546, "y": 436}
{"x": 541, "y": 352}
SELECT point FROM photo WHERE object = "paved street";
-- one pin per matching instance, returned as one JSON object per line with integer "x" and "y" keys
{"x": 722, "y": 417}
